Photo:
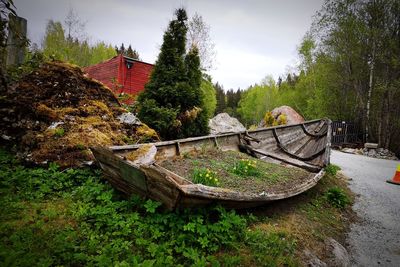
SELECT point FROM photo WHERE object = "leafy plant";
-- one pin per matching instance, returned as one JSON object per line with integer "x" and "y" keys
{"x": 337, "y": 197}
{"x": 54, "y": 217}
{"x": 246, "y": 167}
{"x": 332, "y": 169}
{"x": 205, "y": 176}
{"x": 59, "y": 132}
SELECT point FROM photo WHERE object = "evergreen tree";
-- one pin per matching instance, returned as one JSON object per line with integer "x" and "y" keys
{"x": 221, "y": 99}
{"x": 132, "y": 53}
{"x": 121, "y": 49}
{"x": 171, "y": 101}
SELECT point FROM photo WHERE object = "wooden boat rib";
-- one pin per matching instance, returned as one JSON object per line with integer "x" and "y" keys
{"x": 305, "y": 145}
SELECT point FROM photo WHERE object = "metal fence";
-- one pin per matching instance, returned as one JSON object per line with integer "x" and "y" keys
{"x": 346, "y": 133}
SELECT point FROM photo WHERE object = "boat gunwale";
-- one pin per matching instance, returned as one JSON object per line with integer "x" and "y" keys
{"x": 212, "y": 136}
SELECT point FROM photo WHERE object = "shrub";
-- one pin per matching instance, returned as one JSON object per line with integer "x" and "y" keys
{"x": 270, "y": 120}
{"x": 337, "y": 197}
{"x": 332, "y": 169}
{"x": 172, "y": 102}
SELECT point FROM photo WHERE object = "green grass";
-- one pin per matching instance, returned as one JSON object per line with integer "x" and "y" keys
{"x": 72, "y": 217}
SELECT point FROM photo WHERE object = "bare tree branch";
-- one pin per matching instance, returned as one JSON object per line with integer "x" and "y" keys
{"x": 199, "y": 36}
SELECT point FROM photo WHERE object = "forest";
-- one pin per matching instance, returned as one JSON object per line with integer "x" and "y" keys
{"x": 349, "y": 70}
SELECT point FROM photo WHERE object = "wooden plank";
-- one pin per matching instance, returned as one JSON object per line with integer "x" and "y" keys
{"x": 115, "y": 166}
{"x": 194, "y": 194}
{"x": 291, "y": 161}
{"x": 161, "y": 187}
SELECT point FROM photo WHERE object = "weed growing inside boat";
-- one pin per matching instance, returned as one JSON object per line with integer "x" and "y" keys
{"x": 59, "y": 132}
{"x": 246, "y": 167}
{"x": 205, "y": 176}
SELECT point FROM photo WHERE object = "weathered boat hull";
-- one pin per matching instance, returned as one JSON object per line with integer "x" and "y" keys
{"x": 304, "y": 145}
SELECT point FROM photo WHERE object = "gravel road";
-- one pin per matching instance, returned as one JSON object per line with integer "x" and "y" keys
{"x": 375, "y": 240}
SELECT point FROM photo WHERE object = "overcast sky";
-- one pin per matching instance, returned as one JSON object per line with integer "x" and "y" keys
{"x": 253, "y": 38}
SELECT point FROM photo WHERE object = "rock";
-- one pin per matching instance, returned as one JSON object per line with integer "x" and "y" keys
{"x": 340, "y": 256}
{"x": 146, "y": 156}
{"x": 129, "y": 119}
{"x": 6, "y": 137}
{"x": 371, "y": 145}
{"x": 359, "y": 151}
{"x": 54, "y": 125}
{"x": 292, "y": 117}
{"x": 312, "y": 260}
{"x": 371, "y": 153}
{"x": 349, "y": 150}
{"x": 223, "y": 123}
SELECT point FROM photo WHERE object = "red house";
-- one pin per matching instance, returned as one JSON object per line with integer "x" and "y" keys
{"x": 122, "y": 74}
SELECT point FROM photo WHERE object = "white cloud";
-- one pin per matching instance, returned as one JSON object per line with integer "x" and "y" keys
{"x": 241, "y": 68}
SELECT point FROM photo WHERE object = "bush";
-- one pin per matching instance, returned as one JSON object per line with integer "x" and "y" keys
{"x": 270, "y": 120}
{"x": 337, "y": 197}
{"x": 332, "y": 169}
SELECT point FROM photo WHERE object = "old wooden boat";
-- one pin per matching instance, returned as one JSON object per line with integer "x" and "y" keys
{"x": 305, "y": 145}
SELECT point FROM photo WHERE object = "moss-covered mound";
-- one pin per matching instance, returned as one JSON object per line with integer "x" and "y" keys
{"x": 55, "y": 113}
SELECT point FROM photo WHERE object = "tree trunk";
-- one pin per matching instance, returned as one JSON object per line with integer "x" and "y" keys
{"x": 389, "y": 126}
{"x": 371, "y": 78}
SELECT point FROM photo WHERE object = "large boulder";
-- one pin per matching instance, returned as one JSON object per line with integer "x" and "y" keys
{"x": 340, "y": 256}
{"x": 223, "y": 123}
{"x": 292, "y": 117}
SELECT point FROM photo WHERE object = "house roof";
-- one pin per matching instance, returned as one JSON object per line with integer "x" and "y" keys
{"x": 136, "y": 60}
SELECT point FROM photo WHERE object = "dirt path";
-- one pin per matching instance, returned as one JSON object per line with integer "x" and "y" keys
{"x": 375, "y": 240}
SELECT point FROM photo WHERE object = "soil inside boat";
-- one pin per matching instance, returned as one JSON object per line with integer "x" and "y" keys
{"x": 265, "y": 176}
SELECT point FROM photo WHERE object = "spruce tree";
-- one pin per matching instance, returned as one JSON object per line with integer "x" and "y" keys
{"x": 221, "y": 99}
{"x": 171, "y": 101}
{"x": 132, "y": 53}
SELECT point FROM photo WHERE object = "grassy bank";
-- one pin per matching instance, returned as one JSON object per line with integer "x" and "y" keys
{"x": 72, "y": 217}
